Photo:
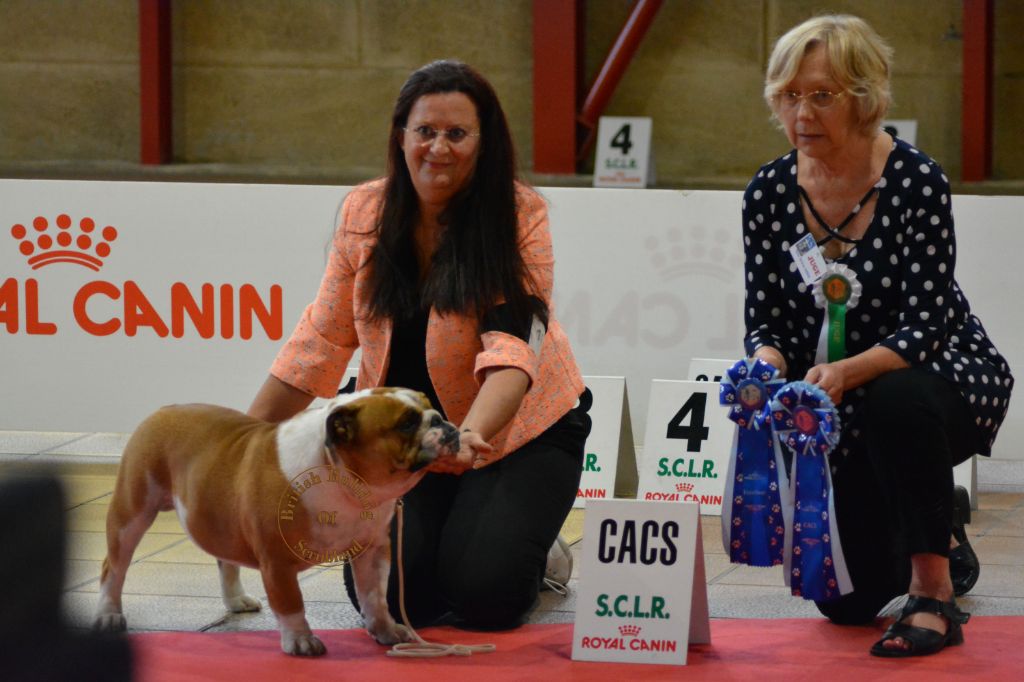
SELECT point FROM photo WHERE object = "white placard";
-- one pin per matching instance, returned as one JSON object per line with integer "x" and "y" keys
{"x": 609, "y": 461}
{"x": 903, "y": 128}
{"x": 708, "y": 369}
{"x": 642, "y": 593}
{"x": 623, "y": 152}
{"x": 686, "y": 445}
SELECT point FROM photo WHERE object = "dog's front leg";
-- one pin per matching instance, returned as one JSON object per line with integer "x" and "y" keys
{"x": 370, "y": 572}
{"x": 282, "y": 586}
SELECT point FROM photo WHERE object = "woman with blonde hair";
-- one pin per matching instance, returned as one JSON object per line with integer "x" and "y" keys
{"x": 918, "y": 385}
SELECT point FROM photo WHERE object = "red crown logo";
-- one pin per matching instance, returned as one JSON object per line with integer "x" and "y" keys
{"x": 684, "y": 487}
{"x": 629, "y": 630}
{"x": 46, "y": 245}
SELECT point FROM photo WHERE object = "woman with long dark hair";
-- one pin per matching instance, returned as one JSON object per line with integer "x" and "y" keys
{"x": 441, "y": 273}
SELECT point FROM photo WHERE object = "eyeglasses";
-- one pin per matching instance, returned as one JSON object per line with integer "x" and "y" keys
{"x": 427, "y": 134}
{"x": 819, "y": 99}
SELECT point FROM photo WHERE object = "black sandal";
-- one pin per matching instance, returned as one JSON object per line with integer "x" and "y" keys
{"x": 964, "y": 567}
{"x": 923, "y": 641}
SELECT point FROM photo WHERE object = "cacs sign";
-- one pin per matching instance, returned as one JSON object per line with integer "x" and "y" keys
{"x": 103, "y": 308}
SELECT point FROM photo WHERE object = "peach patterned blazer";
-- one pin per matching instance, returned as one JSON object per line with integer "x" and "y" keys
{"x": 458, "y": 355}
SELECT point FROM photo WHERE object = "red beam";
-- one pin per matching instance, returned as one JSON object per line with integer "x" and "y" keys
{"x": 557, "y": 75}
{"x": 614, "y": 67}
{"x": 976, "y": 131}
{"x": 155, "y": 80}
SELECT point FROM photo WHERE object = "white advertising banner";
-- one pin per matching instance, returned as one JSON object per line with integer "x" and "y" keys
{"x": 197, "y": 285}
{"x": 119, "y": 297}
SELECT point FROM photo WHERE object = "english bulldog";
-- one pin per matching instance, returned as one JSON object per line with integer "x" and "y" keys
{"x": 318, "y": 488}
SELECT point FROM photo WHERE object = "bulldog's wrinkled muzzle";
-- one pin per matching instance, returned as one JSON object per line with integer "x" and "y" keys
{"x": 441, "y": 440}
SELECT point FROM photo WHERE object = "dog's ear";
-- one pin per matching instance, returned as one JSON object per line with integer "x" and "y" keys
{"x": 342, "y": 425}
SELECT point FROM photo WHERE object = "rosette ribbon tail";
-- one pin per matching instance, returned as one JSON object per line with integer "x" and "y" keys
{"x": 836, "y": 331}
{"x": 753, "y": 530}
{"x": 805, "y": 420}
{"x": 836, "y": 292}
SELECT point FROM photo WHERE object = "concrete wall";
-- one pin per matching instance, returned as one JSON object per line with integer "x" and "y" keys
{"x": 310, "y": 83}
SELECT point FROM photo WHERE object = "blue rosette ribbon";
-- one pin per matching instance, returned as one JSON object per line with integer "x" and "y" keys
{"x": 754, "y": 533}
{"x": 805, "y": 421}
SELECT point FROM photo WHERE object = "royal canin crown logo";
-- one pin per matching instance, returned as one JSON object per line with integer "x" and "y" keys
{"x": 83, "y": 245}
{"x": 629, "y": 630}
{"x": 684, "y": 487}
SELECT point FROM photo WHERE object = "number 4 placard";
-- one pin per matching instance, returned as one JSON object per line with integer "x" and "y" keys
{"x": 686, "y": 445}
{"x": 624, "y": 156}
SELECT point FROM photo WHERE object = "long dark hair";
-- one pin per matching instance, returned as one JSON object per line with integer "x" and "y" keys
{"x": 477, "y": 261}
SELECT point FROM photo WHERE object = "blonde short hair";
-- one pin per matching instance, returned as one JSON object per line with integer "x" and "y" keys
{"x": 859, "y": 60}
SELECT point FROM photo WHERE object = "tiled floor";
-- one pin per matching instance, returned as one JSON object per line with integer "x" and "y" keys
{"x": 174, "y": 586}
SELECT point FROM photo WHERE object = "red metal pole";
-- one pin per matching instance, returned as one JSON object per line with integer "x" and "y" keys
{"x": 155, "y": 81}
{"x": 557, "y": 75}
{"x": 614, "y": 67}
{"x": 976, "y": 130}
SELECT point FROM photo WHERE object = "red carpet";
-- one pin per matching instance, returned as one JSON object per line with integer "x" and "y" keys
{"x": 803, "y": 649}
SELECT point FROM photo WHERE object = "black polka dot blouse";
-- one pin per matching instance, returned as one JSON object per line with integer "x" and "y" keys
{"x": 910, "y": 301}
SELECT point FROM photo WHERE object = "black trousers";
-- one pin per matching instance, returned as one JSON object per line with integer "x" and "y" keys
{"x": 894, "y": 494}
{"x": 475, "y": 546}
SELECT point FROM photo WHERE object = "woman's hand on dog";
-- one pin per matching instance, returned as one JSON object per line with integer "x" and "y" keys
{"x": 474, "y": 453}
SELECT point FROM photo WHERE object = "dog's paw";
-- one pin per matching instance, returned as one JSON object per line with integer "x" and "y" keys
{"x": 391, "y": 633}
{"x": 110, "y": 622}
{"x": 243, "y": 603}
{"x": 302, "y": 644}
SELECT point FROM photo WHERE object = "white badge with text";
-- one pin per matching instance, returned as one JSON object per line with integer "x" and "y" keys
{"x": 808, "y": 258}
{"x": 624, "y": 156}
{"x": 609, "y": 461}
{"x": 687, "y": 445}
{"x": 642, "y": 591}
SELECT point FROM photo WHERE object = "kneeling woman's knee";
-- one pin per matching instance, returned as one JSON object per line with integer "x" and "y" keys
{"x": 899, "y": 399}
{"x": 490, "y": 602}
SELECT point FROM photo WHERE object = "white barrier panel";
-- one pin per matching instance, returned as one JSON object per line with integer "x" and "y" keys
{"x": 198, "y": 288}
{"x": 202, "y": 282}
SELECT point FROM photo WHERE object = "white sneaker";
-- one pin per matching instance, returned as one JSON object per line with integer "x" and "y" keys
{"x": 559, "y": 567}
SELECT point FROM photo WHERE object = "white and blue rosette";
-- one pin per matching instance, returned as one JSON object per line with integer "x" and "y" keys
{"x": 805, "y": 420}
{"x": 754, "y": 532}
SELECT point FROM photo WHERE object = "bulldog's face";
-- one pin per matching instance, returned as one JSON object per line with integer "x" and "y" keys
{"x": 387, "y": 436}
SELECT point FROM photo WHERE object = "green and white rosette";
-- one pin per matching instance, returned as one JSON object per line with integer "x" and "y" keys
{"x": 838, "y": 291}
